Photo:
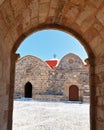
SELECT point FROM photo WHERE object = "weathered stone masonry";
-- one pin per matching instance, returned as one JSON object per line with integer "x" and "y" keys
{"x": 47, "y": 82}
{"x": 84, "y": 19}
{"x": 34, "y": 70}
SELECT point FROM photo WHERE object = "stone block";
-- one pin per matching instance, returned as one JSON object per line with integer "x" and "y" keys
{"x": 100, "y": 16}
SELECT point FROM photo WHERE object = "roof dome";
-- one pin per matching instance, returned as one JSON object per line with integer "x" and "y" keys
{"x": 71, "y": 62}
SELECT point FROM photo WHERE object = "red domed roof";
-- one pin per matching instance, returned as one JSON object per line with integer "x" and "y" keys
{"x": 52, "y": 63}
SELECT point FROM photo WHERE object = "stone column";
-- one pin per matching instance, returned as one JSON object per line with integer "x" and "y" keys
{"x": 99, "y": 81}
{"x": 97, "y": 93}
{"x": 92, "y": 93}
{"x": 14, "y": 58}
{"x": 5, "y": 87}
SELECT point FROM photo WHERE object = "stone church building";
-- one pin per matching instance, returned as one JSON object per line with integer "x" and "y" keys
{"x": 64, "y": 80}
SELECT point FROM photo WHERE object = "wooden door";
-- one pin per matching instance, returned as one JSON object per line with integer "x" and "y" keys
{"x": 73, "y": 93}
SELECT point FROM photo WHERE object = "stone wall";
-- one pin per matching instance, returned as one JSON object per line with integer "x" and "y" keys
{"x": 33, "y": 70}
{"x": 5, "y": 87}
{"x": 45, "y": 80}
{"x": 99, "y": 80}
{"x": 83, "y": 19}
{"x": 70, "y": 71}
{"x": 49, "y": 97}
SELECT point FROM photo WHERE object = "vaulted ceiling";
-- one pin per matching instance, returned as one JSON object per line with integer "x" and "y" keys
{"x": 82, "y": 18}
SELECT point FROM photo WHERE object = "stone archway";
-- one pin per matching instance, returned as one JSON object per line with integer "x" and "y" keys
{"x": 18, "y": 19}
{"x": 52, "y": 27}
{"x": 70, "y": 82}
{"x": 73, "y": 93}
{"x": 70, "y": 31}
{"x": 28, "y": 90}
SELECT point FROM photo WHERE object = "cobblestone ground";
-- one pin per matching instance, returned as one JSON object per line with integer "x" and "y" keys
{"x": 39, "y": 115}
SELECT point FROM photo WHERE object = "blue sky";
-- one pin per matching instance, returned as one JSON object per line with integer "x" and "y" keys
{"x": 44, "y": 44}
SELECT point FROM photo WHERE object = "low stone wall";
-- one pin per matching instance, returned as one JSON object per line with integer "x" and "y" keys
{"x": 86, "y": 99}
{"x": 17, "y": 95}
{"x": 49, "y": 97}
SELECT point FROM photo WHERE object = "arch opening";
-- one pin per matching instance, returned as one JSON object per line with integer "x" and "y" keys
{"x": 28, "y": 90}
{"x": 62, "y": 28}
{"x": 58, "y": 44}
{"x": 85, "y": 45}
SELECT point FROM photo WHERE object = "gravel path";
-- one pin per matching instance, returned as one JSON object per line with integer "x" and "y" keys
{"x": 39, "y": 115}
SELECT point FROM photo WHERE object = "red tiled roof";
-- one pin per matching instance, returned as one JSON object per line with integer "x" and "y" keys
{"x": 52, "y": 63}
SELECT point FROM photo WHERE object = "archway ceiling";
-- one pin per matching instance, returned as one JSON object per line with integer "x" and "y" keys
{"x": 86, "y": 17}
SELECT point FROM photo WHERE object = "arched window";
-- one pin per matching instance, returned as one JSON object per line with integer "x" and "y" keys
{"x": 28, "y": 90}
{"x": 73, "y": 93}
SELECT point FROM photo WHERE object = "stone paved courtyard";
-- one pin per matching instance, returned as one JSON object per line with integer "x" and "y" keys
{"x": 42, "y": 115}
